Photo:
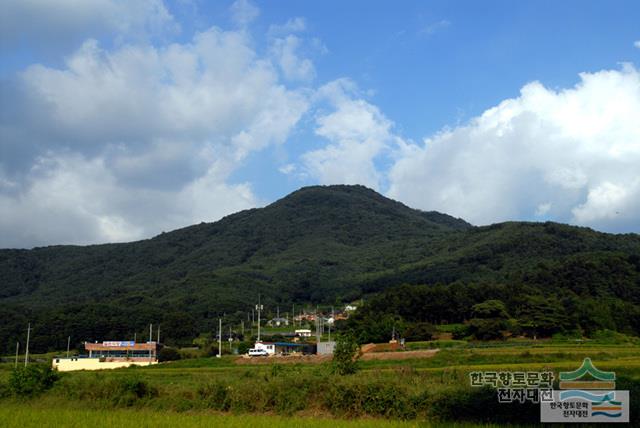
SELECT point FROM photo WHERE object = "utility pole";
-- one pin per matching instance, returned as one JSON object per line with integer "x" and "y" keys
{"x": 158, "y": 333}
{"x": 219, "y": 338}
{"x": 17, "y": 349}
{"x": 230, "y": 339}
{"x": 259, "y": 309}
{"x": 135, "y": 336}
{"x": 26, "y": 355}
{"x": 150, "y": 332}
{"x": 68, "y": 343}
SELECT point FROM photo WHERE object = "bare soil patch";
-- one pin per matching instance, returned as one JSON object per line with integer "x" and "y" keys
{"x": 284, "y": 359}
{"x": 317, "y": 359}
{"x": 400, "y": 355}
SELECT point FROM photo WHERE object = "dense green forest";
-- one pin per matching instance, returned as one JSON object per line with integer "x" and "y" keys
{"x": 325, "y": 245}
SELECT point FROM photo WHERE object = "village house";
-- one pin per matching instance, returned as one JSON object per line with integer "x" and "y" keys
{"x": 278, "y": 322}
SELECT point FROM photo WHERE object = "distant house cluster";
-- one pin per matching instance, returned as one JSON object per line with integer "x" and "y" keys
{"x": 312, "y": 317}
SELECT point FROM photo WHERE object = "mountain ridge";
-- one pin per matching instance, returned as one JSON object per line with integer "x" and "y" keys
{"x": 318, "y": 245}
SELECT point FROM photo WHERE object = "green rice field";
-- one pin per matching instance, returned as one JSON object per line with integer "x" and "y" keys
{"x": 425, "y": 392}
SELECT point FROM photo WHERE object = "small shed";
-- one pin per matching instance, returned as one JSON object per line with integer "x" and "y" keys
{"x": 326, "y": 348}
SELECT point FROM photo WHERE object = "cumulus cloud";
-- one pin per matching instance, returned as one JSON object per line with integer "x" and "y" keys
{"x": 287, "y": 169}
{"x": 60, "y": 22}
{"x": 285, "y": 52}
{"x": 293, "y": 25}
{"x": 83, "y": 202}
{"x": 571, "y": 155}
{"x": 243, "y": 12}
{"x": 114, "y": 137}
{"x": 357, "y": 133}
{"x": 285, "y": 48}
{"x": 637, "y": 44}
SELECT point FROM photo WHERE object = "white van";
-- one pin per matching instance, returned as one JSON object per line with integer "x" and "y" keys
{"x": 257, "y": 352}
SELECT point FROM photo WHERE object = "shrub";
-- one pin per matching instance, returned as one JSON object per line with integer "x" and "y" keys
{"x": 113, "y": 391}
{"x": 215, "y": 396}
{"x": 385, "y": 399}
{"x": 624, "y": 383}
{"x": 288, "y": 394}
{"x": 343, "y": 399}
{"x": 31, "y": 380}
{"x": 375, "y": 398}
{"x": 243, "y": 347}
{"x": 128, "y": 390}
{"x": 345, "y": 355}
{"x": 168, "y": 354}
{"x": 481, "y": 405}
{"x": 4, "y": 390}
{"x": 459, "y": 332}
{"x": 419, "y": 331}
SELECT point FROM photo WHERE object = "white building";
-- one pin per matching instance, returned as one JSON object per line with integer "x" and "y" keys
{"x": 110, "y": 355}
{"x": 269, "y": 347}
{"x": 303, "y": 332}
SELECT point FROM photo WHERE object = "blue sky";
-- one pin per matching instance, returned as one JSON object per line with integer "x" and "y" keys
{"x": 119, "y": 119}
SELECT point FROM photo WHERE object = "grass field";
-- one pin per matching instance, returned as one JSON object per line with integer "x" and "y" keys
{"x": 219, "y": 392}
{"x": 29, "y": 416}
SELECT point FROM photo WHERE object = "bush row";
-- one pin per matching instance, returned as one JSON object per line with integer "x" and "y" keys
{"x": 287, "y": 391}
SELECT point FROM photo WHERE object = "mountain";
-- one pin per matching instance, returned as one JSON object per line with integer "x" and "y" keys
{"x": 320, "y": 244}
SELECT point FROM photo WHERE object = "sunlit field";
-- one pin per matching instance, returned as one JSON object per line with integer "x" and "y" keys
{"x": 219, "y": 392}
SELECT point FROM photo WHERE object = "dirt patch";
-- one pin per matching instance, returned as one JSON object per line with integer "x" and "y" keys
{"x": 317, "y": 359}
{"x": 284, "y": 359}
{"x": 369, "y": 347}
{"x": 401, "y": 355}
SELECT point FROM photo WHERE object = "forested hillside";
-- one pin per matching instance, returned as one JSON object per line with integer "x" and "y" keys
{"x": 318, "y": 245}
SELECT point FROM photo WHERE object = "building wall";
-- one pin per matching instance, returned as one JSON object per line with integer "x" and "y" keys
{"x": 71, "y": 364}
{"x": 326, "y": 348}
{"x": 269, "y": 347}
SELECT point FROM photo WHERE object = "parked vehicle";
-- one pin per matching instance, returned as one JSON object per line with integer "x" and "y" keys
{"x": 257, "y": 352}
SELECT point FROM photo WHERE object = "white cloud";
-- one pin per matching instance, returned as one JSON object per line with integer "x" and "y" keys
{"x": 637, "y": 44}
{"x": 434, "y": 27}
{"x": 543, "y": 209}
{"x": 572, "y": 155}
{"x": 121, "y": 135}
{"x": 50, "y": 22}
{"x": 72, "y": 199}
{"x": 293, "y": 67}
{"x": 243, "y": 12}
{"x": 610, "y": 202}
{"x": 287, "y": 169}
{"x": 211, "y": 90}
{"x": 293, "y": 25}
{"x": 357, "y": 133}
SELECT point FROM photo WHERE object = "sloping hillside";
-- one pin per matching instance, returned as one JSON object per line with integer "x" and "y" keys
{"x": 317, "y": 245}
